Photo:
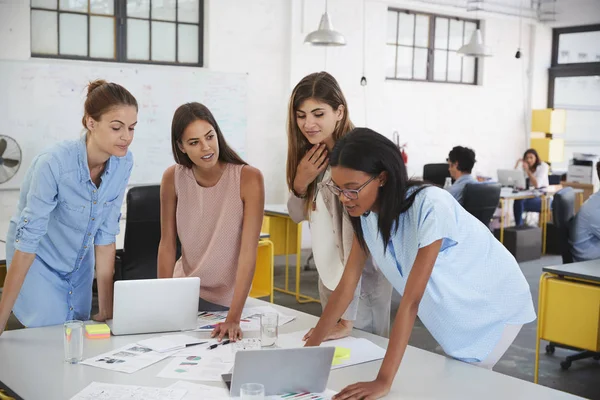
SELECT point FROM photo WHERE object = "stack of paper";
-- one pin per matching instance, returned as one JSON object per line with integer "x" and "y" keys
{"x": 250, "y": 321}
{"x": 96, "y": 390}
{"x": 169, "y": 343}
{"x": 129, "y": 359}
{"x": 97, "y": 331}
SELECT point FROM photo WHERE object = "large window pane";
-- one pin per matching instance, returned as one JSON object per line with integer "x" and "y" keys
{"x": 440, "y": 58}
{"x": 102, "y": 37}
{"x": 404, "y": 62}
{"x": 579, "y": 47}
{"x": 420, "y": 65}
{"x": 454, "y": 67}
{"x": 392, "y": 27}
{"x": 456, "y": 34}
{"x": 73, "y": 35}
{"x": 580, "y": 92}
{"x": 390, "y": 61}
{"x": 138, "y": 8}
{"x": 422, "y": 31}
{"x": 188, "y": 44}
{"x": 74, "y": 5}
{"x": 188, "y": 11}
{"x": 163, "y": 41}
{"x": 44, "y": 32}
{"x": 163, "y": 9}
{"x": 441, "y": 33}
{"x": 468, "y": 72}
{"x": 138, "y": 40}
{"x": 50, "y": 4}
{"x": 406, "y": 29}
{"x": 106, "y": 7}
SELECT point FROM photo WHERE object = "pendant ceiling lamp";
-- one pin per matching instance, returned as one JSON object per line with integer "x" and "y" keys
{"x": 325, "y": 35}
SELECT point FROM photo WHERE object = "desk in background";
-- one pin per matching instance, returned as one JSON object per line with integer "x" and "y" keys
{"x": 569, "y": 307}
{"x": 286, "y": 236}
{"x": 37, "y": 354}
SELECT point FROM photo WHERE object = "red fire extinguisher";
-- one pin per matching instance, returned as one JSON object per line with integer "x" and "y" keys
{"x": 402, "y": 147}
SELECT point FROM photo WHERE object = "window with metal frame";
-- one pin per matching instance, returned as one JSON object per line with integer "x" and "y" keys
{"x": 140, "y": 31}
{"x": 423, "y": 47}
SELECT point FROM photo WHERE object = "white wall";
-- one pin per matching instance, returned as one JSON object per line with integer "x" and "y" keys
{"x": 265, "y": 39}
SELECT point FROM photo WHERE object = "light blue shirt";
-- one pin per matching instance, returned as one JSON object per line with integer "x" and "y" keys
{"x": 458, "y": 186}
{"x": 476, "y": 286}
{"x": 585, "y": 231}
{"x": 61, "y": 215}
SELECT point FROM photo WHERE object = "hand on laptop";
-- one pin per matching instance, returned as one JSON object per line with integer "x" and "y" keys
{"x": 229, "y": 328}
{"x": 342, "y": 329}
{"x": 364, "y": 390}
{"x": 102, "y": 316}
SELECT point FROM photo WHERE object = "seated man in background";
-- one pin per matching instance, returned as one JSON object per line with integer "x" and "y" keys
{"x": 460, "y": 164}
{"x": 585, "y": 229}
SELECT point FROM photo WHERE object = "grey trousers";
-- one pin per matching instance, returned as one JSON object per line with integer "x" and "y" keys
{"x": 371, "y": 313}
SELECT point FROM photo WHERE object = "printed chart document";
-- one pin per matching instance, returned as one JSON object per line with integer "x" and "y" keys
{"x": 361, "y": 350}
{"x": 209, "y": 366}
{"x": 107, "y": 391}
{"x": 250, "y": 321}
{"x": 129, "y": 359}
{"x": 197, "y": 391}
{"x": 166, "y": 343}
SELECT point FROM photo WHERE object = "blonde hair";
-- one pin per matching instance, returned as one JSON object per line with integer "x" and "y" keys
{"x": 322, "y": 87}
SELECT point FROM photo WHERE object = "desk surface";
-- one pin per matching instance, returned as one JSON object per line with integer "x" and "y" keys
{"x": 278, "y": 209}
{"x": 35, "y": 355}
{"x": 589, "y": 270}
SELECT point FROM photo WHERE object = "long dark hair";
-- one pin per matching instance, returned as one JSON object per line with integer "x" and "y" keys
{"x": 366, "y": 150}
{"x": 184, "y": 116}
{"x": 537, "y": 158}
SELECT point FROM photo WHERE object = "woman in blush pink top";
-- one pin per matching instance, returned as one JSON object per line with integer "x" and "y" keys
{"x": 213, "y": 201}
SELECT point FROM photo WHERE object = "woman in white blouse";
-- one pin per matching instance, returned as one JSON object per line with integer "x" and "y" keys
{"x": 537, "y": 172}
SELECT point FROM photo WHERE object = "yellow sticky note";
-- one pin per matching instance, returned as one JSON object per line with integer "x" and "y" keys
{"x": 97, "y": 329}
{"x": 340, "y": 354}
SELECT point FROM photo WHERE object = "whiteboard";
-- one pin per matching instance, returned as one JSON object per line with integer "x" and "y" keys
{"x": 41, "y": 103}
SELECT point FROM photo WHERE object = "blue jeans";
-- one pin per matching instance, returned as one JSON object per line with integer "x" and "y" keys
{"x": 519, "y": 206}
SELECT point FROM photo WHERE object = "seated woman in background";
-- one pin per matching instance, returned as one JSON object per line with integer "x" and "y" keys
{"x": 436, "y": 255}
{"x": 537, "y": 173}
{"x": 214, "y": 203}
{"x": 67, "y": 217}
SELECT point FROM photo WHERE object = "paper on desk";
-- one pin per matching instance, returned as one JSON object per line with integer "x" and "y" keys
{"x": 196, "y": 391}
{"x": 250, "y": 321}
{"x": 200, "y": 367}
{"x": 361, "y": 350}
{"x": 166, "y": 343}
{"x": 108, "y": 391}
{"x": 129, "y": 359}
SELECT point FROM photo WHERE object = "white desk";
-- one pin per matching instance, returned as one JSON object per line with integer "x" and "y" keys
{"x": 31, "y": 365}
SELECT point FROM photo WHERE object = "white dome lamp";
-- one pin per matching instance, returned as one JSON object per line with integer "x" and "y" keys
{"x": 475, "y": 47}
{"x": 325, "y": 35}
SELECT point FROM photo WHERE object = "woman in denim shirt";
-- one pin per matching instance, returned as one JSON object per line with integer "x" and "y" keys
{"x": 70, "y": 205}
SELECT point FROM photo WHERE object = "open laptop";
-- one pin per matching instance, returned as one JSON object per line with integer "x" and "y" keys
{"x": 298, "y": 370}
{"x": 155, "y": 305}
{"x": 514, "y": 178}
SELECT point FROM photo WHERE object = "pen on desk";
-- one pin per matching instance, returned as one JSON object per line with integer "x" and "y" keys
{"x": 194, "y": 344}
{"x": 213, "y": 346}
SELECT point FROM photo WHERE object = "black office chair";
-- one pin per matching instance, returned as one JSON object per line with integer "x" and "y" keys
{"x": 142, "y": 233}
{"x": 481, "y": 200}
{"x": 436, "y": 173}
{"x": 563, "y": 212}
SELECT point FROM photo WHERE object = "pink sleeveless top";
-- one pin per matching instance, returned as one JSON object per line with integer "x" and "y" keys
{"x": 209, "y": 225}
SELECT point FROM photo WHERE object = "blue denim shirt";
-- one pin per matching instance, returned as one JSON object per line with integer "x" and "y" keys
{"x": 585, "y": 231}
{"x": 61, "y": 215}
{"x": 458, "y": 187}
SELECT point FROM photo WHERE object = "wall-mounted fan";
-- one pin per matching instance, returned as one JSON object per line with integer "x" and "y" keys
{"x": 10, "y": 158}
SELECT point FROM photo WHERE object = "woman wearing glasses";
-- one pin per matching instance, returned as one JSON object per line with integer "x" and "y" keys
{"x": 452, "y": 273}
{"x": 317, "y": 118}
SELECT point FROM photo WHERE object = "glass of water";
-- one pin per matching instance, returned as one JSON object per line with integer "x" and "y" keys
{"x": 73, "y": 341}
{"x": 268, "y": 329}
{"x": 252, "y": 391}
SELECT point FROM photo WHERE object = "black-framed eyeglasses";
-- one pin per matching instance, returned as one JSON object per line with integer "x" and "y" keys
{"x": 351, "y": 194}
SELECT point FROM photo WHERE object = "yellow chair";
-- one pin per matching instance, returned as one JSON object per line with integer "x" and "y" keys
{"x": 262, "y": 283}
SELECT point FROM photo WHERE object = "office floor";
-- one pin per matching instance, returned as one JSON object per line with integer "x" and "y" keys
{"x": 581, "y": 379}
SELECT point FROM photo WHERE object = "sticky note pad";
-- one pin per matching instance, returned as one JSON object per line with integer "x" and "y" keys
{"x": 340, "y": 354}
{"x": 97, "y": 331}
